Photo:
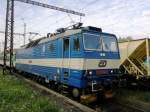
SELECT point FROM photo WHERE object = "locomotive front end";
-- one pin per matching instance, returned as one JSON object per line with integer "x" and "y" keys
{"x": 101, "y": 62}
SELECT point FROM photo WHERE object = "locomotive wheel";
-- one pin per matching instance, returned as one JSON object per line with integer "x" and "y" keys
{"x": 75, "y": 93}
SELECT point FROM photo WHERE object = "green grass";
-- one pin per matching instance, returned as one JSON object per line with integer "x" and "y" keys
{"x": 17, "y": 96}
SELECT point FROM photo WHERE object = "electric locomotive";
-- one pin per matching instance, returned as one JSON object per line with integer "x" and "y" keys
{"x": 84, "y": 59}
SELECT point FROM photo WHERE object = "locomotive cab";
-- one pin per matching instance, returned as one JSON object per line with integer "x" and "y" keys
{"x": 101, "y": 61}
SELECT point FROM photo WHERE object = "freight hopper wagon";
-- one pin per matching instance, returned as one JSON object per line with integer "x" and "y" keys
{"x": 82, "y": 59}
{"x": 135, "y": 60}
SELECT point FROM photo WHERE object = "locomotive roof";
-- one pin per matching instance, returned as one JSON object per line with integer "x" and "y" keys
{"x": 65, "y": 33}
{"x": 53, "y": 37}
{"x": 61, "y": 35}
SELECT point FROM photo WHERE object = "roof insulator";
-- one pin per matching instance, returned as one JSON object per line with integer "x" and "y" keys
{"x": 61, "y": 30}
{"x": 93, "y": 28}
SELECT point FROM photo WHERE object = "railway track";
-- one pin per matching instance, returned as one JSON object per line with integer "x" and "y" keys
{"x": 131, "y": 108}
{"x": 114, "y": 105}
{"x": 100, "y": 106}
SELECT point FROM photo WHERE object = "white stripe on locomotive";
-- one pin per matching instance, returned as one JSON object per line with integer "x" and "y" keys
{"x": 75, "y": 63}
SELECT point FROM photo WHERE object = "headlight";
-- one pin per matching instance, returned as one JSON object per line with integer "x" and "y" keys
{"x": 90, "y": 72}
{"x": 111, "y": 71}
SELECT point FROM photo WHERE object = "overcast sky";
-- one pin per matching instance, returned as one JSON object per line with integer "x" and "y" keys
{"x": 120, "y": 17}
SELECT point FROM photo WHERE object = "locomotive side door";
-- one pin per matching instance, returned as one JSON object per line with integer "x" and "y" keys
{"x": 66, "y": 59}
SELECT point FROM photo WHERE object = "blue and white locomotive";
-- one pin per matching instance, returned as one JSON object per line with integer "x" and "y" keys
{"x": 84, "y": 59}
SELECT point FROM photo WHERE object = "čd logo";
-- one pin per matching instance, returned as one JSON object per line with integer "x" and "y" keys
{"x": 102, "y": 63}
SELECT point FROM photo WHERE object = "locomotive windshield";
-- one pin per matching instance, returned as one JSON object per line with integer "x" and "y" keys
{"x": 103, "y": 42}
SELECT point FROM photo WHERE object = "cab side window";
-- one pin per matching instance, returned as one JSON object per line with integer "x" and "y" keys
{"x": 66, "y": 44}
{"x": 76, "y": 42}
